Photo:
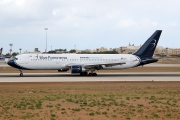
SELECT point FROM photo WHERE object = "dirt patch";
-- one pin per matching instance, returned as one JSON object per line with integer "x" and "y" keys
{"x": 90, "y": 101}
{"x": 169, "y": 60}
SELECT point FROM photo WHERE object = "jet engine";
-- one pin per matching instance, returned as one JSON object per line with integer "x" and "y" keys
{"x": 77, "y": 69}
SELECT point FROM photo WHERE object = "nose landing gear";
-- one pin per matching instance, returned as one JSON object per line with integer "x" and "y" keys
{"x": 21, "y": 73}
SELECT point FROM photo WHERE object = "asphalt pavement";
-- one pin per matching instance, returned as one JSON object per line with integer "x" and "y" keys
{"x": 66, "y": 77}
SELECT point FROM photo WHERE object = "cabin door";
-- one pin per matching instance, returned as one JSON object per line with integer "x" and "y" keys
{"x": 57, "y": 61}
{"x": 26, "y": 60}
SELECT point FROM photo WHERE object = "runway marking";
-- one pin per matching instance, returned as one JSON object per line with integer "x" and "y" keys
{"x": 66, "y": 77}
{"x": 168, "y": 74}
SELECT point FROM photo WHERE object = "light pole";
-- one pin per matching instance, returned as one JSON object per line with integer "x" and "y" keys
{"x": 46, "y": 38}
{"x": 20, "y": 50}
{"x": 10, "y": 48}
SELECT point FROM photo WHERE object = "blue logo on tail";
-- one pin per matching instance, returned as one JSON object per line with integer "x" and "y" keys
{"x": 152, "y": 44}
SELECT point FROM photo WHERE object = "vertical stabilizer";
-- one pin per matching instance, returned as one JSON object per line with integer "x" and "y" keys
{"x": 148, "y": 48}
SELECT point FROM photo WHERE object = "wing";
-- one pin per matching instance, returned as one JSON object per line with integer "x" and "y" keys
{"x": 106, "y": 64}
{"x": 96, "y": 65}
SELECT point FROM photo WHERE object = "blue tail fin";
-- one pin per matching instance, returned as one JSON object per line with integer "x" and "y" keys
{"x": 148, "y": 48}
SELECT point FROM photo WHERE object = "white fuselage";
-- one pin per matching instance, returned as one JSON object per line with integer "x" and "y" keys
{"x": 61, "y": 61}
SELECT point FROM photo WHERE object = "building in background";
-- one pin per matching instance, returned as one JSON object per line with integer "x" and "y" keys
{"x": 36, "y": 51}
{"x": 130, "y": 49}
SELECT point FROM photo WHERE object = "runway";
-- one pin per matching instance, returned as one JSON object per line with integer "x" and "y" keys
{"x": 66, "y": 77}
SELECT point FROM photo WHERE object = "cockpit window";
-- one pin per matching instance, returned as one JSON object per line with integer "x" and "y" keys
{"x": 13, "y": 58}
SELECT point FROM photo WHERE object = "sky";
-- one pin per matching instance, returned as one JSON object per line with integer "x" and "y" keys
{"x": 87, "y": 24}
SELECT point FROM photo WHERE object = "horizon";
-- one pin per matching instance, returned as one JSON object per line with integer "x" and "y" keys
{"x": 22, "y": 52}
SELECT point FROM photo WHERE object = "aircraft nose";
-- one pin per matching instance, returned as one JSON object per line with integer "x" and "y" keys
{"x": 14, "y": 64}
{"x": 11, "y": 63}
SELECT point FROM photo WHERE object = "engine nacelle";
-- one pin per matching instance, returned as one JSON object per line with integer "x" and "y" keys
{"x": 77, "y": 69}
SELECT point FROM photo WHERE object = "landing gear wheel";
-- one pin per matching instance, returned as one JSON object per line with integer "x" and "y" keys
{"x": 94, "y": 74}
{"x": 83, "y": 74}
{"x": 90, "y": 74}
{"x": 21, "y": 74}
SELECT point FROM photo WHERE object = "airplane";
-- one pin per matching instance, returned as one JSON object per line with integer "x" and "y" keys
{"x": 87, "y": 64}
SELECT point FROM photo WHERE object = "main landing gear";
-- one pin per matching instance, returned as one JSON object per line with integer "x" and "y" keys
{"x": 92, "y": 74}
{"x": 88, "y": 74}
{"x": 83, "y": 73}
{"x": 21, "y": 73}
